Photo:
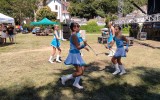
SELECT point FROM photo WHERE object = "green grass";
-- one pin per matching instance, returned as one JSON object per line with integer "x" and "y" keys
{"x": 26, "y": 74}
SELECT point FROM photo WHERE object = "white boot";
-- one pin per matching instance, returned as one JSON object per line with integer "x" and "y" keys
{"x": 122, "y": 70}
{"x": 76, "y": 83}
{"x": 57, "y": 59}
{"x": 50, "y": 59}
{"x": 65, "y": 78}
{"x": 117, "y": 69}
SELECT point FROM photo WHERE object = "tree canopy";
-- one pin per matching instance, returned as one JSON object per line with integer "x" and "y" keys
{"x": 20, "y": 9}
{"x": 46, "y": 12}
{"x": 92, "y": 8}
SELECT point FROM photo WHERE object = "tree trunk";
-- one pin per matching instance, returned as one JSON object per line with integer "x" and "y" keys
{"x": 44, "y": 2}
{"x": 35, "y": 15}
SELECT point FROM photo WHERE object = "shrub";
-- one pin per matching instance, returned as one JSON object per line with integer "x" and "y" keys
{"x": 126, "y": 29}
{"x": 28, "y": 26}
{"x": 91, "y": 27}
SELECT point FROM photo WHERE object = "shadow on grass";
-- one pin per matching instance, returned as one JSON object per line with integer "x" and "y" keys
{"x": 6, "y": 44}
{"x": 95, "y": 88}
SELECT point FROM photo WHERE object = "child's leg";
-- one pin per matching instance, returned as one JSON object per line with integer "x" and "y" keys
{"x": 121, "y": 67}
{"x": 114, "y": 61}
{"x": 58, "y": 56}
{"x": 59, "y": 51}
{"x": 52, "y": 56}
{"x": 79, "y": 72}
{"x": 4, "y": 40}
{"x": 77, "y": 79}
{"x": 12, "y": 39}
{"x": 119, "y": 61}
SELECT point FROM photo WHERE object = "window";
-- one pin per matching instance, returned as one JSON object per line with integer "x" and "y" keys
{"x": 56, "y": 7}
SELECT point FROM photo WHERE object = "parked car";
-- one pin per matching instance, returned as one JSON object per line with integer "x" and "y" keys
{"x": 25, "y": 31}
{"x": 36, "y": 30}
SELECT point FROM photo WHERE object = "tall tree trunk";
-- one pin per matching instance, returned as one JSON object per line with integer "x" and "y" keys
{"x": 44, "y": 2}
{"x": 35, "y": 19}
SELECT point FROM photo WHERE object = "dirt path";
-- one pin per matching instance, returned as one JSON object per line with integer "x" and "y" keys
{"x": 26, "y": 51}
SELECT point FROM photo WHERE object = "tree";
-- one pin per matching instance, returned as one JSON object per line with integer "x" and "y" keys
{"x": 92, "y": 8}
{"x": 46, "y": 12}
{"x": 128, "y": 7}
{"x": 18, "y": 9}
{"x": 83, "y": 9}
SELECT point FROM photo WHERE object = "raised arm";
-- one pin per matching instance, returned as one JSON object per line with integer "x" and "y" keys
{"x": 113, "y": 31}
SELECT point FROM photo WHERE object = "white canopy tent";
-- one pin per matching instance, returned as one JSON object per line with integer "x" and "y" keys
{"x": 6, "y": 19}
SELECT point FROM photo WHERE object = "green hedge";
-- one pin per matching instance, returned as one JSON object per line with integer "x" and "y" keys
{"x": 28, "y": 26}
{"x": 125, "y": 29}
{"x": 91, "y": 27}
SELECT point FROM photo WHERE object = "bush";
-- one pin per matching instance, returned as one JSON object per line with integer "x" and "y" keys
{"x": 91, "y": 27}
{"x": 126, "y": 29}
{"x": 28, "y": 26}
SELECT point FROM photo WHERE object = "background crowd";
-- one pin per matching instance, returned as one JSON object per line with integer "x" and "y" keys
{"x": 7, "y": 31}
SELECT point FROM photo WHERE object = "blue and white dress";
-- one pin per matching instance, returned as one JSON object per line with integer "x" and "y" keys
{"x": 110, "y": 38}
{"x": 55, "y": 42}
{"x": 74, "y": 58}
{"x": 120, "y": 52}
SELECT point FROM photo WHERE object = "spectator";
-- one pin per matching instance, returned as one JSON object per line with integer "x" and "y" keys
{"x": 4, "y": 35}
{"x": 10, "y": 32}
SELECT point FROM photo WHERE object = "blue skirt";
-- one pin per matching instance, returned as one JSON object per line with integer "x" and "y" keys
{"x": 55, "y": 43}
{"x": 120, "y": 52}
{"x": 74, "y": 59}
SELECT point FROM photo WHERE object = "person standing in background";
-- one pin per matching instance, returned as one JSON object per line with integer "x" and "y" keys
{"x": 56, "y": 45}
{"x": 10, "y": 32}
{"x": 4, "y": 34}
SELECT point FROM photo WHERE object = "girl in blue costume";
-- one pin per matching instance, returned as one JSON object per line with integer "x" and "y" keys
{"x": 56, "y": 45}
{"x": 74, "y": 58}
{"x": 120, "y": 52}
{"x": 110, "y": 38}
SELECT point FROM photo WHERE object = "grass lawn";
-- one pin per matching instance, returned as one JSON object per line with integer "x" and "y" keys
{"x": 26, "y": 73}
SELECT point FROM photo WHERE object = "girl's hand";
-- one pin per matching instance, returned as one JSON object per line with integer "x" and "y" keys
{"x": 126, "y": 50}
{"x": 106, "y": 46}
{"x": 110, "y": 48}
{"x": 86, "y": 49}
{"x": 85, "y": 43}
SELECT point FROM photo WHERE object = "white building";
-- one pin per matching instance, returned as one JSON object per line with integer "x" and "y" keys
{"x": 60, "y": 7}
